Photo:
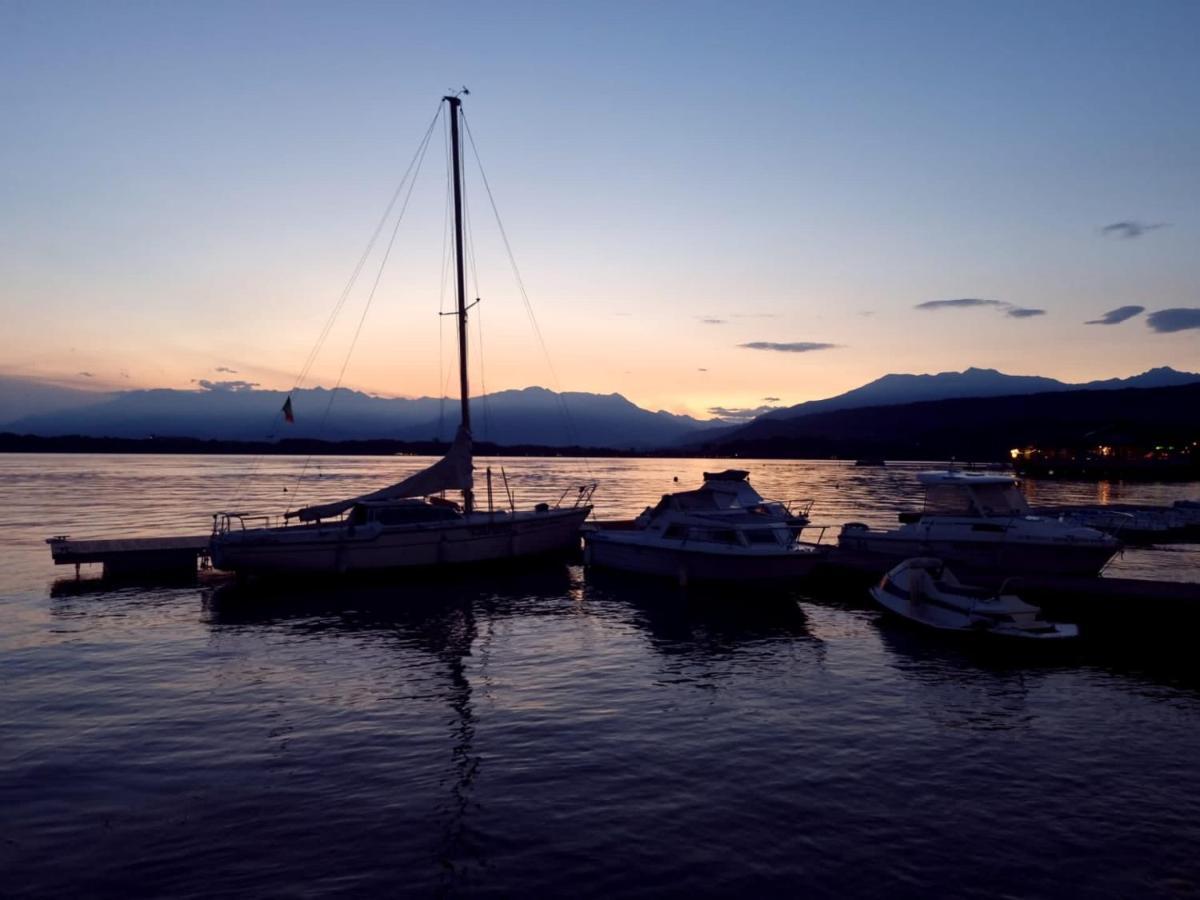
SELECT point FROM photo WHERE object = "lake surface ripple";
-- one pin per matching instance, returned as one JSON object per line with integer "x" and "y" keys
{"x": 555, "y": 732}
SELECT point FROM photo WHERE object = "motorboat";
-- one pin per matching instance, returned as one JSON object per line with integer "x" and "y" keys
{"x": 923, "y": 590}
{"x": 981, "y": 523}
{"x": 721, "y": 531}
{"x": 411, "y": 523}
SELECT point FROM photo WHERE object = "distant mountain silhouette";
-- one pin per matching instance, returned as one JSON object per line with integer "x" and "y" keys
{"x": 531, "y": 416}
{"x": 21, "y": 397}
{"x": 895, "y": 389}
{"x": 976, "y": 427}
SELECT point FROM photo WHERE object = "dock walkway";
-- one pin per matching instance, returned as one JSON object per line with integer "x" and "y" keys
{"x": 130, "y": 556}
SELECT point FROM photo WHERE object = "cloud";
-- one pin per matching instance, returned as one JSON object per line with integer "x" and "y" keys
{"x": 1179, "y": 319}
{"x": 794, "y": 347}
{"x": 124, "y": 373}
{"x": 960, "y": 303}
{"x": 1117, "y": 316}
{"x": 86, "y": 374}
{"x": 738, "y": 415}
{"x": 770, "y": 399}
{"x": 1009, "y": 309}
{"x": 225, "y": 369}
{"x": 702, "y": 370}
{"x": 709, "y": 321}
{"x": 1130, "y": 229}
{"x": 225, "y": 385}
{"x": 866, "y": 313}
{"x": 756, "y": 315}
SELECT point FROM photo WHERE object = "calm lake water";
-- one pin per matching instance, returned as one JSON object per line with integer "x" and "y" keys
{"x": 553, "y": 732}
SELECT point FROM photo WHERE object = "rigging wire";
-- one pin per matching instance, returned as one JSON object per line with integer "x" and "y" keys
{"x": 443, "y": 372}
{"x": 370, "y": 298}
{"x": 573, "y": 433}
{"x": 474, "y": 271}
{"x": 323, "y": 335}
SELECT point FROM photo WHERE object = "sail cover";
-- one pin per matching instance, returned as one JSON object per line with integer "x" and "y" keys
{"x": 451, "y": 472}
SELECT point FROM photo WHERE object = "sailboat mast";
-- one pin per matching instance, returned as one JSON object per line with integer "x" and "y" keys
{"x": 461, "y": 283}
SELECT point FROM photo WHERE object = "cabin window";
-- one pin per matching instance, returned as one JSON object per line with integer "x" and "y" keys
{"x": 762, "y": 535}
{"x": 412, "y": 515}
{"x": 676, "y": 532}
{"x": 948, "y": 500}
{"x": 715, "y": 535}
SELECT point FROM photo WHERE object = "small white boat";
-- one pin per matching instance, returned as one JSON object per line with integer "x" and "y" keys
{"x": 722, "y": 531}
{"x": 924, "y": 590}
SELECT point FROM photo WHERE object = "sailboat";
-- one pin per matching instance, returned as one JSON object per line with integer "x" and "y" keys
{"x": 408, "y": 524}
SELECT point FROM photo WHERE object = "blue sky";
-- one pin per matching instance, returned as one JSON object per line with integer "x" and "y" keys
{"x": 188, "y": 186}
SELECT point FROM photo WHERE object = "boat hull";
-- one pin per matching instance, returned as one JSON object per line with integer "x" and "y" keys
{"x": 693, "y": 564}
{"x": 341, "y": 549}
{"x": 937, "y": 607}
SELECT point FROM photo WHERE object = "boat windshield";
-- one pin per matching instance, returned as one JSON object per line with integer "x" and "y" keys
{"x": 975, "y": 500}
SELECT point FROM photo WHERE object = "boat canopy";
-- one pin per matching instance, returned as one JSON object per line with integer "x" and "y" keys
{"x": 450, "y": 473}
{"x": 727, "y": 475}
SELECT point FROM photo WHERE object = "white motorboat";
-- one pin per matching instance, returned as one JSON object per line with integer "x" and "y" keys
{"x": 981, "y": 522}
{"x": 925, "y": 591}
{"x": 722, "y": 531}
{"x": 410, "y": 523}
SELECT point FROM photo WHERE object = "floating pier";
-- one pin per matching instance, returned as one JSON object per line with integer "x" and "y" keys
{"x": 125, "y": 557}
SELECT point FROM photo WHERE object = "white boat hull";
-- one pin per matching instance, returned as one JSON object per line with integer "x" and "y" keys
{"x": 695, "y": 563}
{"x": 337, "y": 548}
{"x": 950, "y": 606}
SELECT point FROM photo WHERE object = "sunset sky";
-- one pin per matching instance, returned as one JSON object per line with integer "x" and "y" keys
{"x": 710, "y": 204}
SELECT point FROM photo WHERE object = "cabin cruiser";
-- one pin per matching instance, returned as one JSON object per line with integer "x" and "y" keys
{"x": 721, "y": 531}
{"x": 923, "y": 590}
{"x": 980, "y": 522}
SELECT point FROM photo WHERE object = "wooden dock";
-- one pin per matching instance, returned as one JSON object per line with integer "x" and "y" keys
{"x": 125, "y": 557}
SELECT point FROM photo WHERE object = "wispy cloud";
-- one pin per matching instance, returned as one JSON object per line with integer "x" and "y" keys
{"x": 226, "y": 370}
{"x": 756, "y": 315}
{"x": 770, "y": 399}
{"x": 702, "y": 370}
{"x": 86, "y": 374}
{"x": 1117, "y": 316}
{"x": 1009, "y": 309}
{"x": 710, "y": 321}
{"x": 1165, "y": 321}
{"x": 1130, "y": 229}
{"x": 960, "y": 303}
{"x": 793, "y": 347}
{"x": 225, "y": 385}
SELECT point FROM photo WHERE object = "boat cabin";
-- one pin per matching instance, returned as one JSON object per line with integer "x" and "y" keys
{"x": 972, "y": 494}
{"x": 729, "y": 537}
{"x": 401, "y": 512}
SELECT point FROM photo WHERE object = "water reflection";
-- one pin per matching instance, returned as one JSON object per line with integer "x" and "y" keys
{"x": 701, "y": 620}
{"x": 964, "y": 683}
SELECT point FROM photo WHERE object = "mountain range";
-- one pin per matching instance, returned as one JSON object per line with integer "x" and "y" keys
{"x": 532, "y": 416}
